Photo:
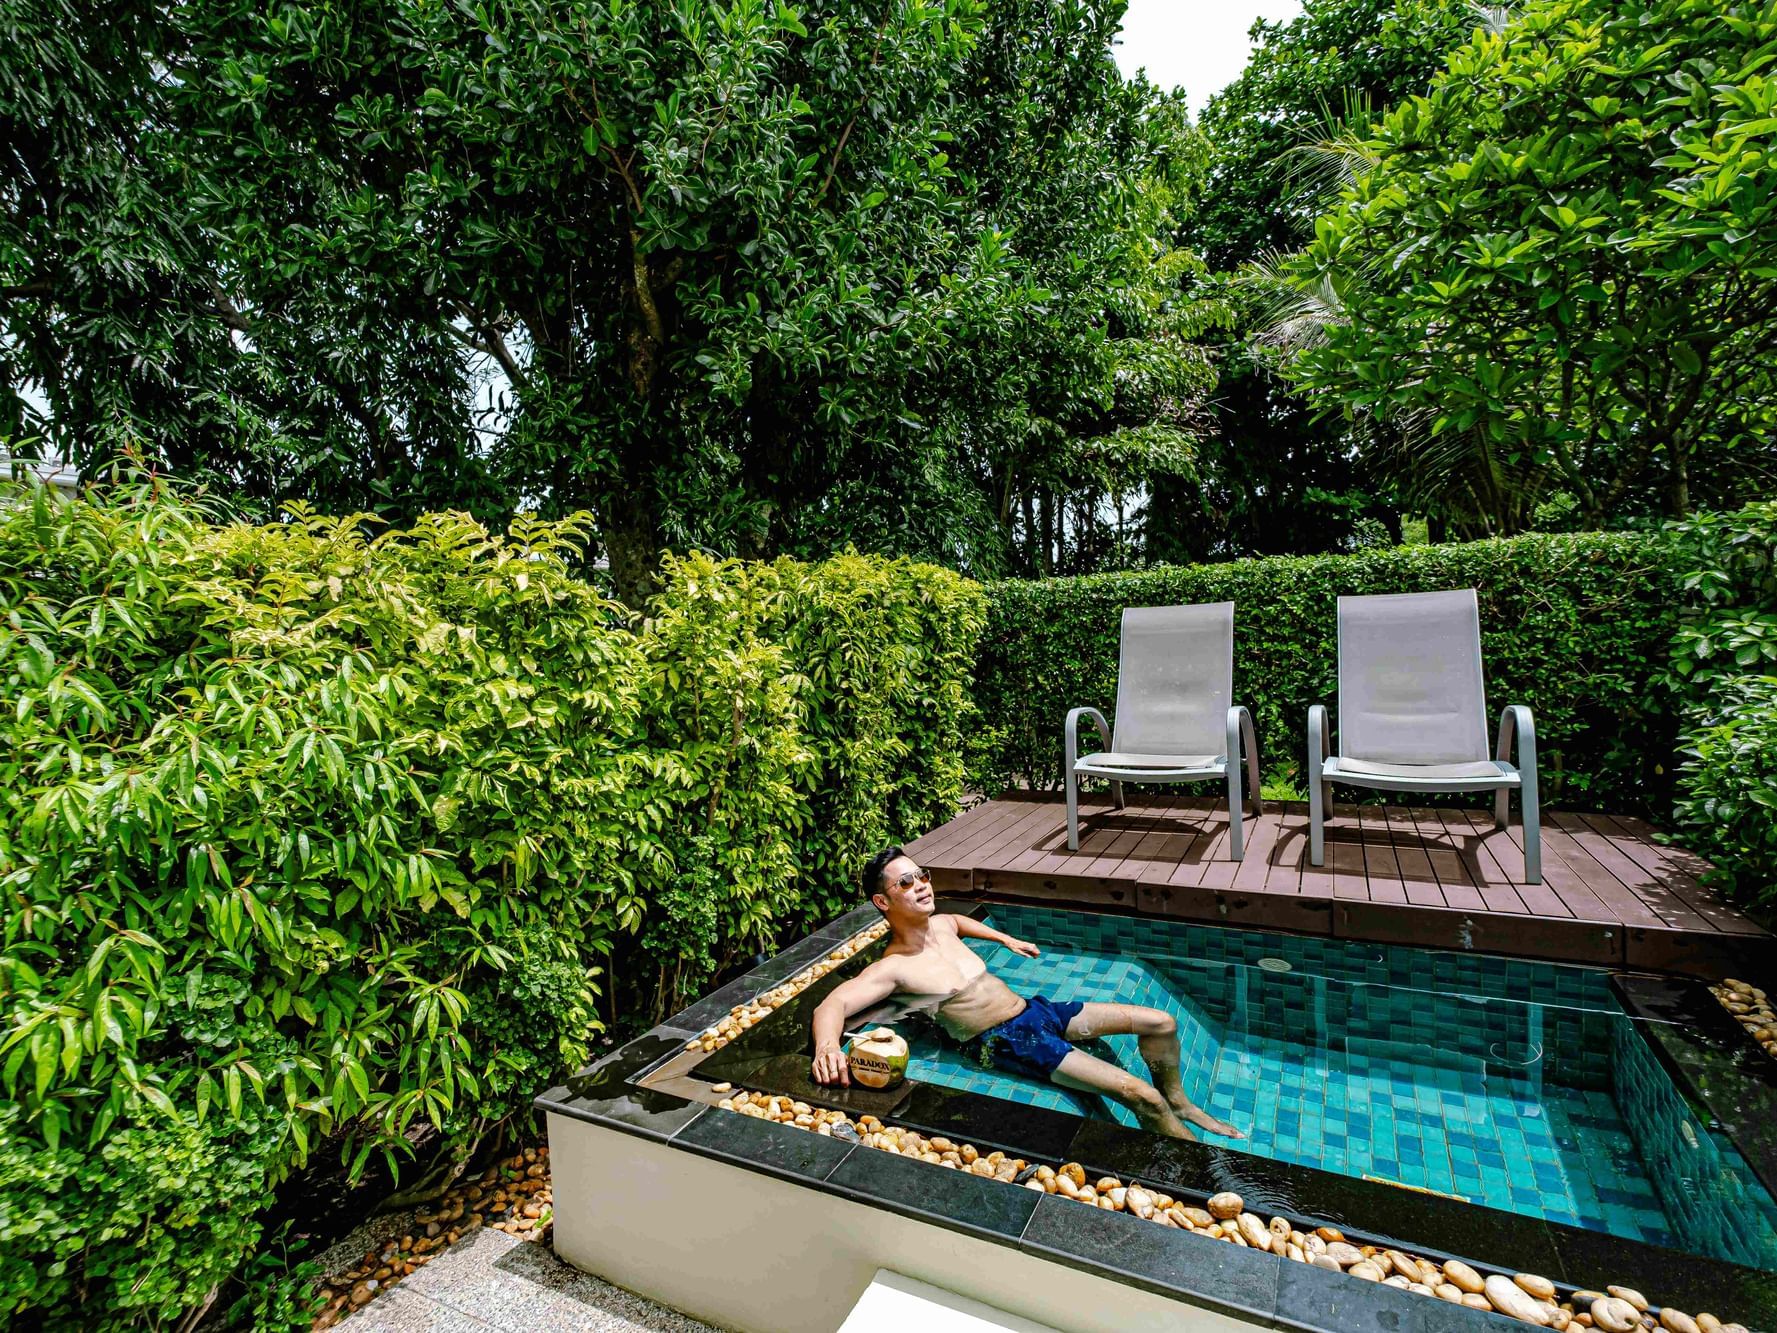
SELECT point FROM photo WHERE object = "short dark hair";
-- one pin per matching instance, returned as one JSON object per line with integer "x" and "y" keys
{"x": 871, "y": 880}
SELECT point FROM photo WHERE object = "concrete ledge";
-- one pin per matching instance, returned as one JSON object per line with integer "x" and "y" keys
{"x": 759, "y": 1254}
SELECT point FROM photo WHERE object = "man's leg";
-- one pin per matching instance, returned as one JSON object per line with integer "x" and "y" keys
{"x": 1157, "y": 1037}
{"x": 1088, "y": 1073}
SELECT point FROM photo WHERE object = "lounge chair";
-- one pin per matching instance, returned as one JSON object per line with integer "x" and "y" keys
{"x": 1176, "y": 716}
{"x": 1413, "y": 714}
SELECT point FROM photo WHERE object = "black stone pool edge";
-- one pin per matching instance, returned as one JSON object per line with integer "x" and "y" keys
{"x": 1261, "y": 1288}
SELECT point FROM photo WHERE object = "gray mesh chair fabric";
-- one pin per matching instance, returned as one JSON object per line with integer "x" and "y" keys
{"x": 1413, "y": 713}
{"x": 1410, "y": 688}
{"x": 1176, "y": 719}
{"x": 1175, "y": 680}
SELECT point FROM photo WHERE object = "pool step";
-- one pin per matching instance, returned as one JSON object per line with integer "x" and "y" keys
{"x": 894, "y": 1303}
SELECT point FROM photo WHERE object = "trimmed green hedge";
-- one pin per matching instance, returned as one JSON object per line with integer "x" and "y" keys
{"x": 307, "y": 839}
{"x": 1724, "y": 666}
{"x": 320, "y": 843}
{"x": 805, "y": 715}
{"x": 1577, "y": 627}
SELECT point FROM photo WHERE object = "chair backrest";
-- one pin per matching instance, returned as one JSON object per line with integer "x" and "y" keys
{"x": 1175, "y": 679}
{"x": 1410, "y": 686}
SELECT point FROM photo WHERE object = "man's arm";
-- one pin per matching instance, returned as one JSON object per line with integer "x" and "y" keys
{"x": 876, "y": 982}
{"x": 971, "y": 929}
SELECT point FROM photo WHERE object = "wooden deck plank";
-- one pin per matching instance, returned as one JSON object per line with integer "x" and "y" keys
{"x": 1382, "y": 868}
{"x": 954, "y": 832}
{"x": 1497, "y": 891}
{"x": 1168, "y": 840}
{"x": 1210, "y": 855}
{"x": 1437, "y": 878}
{"x": 1170, "y": 820}
{"x": 1507, "y": 857}
{"x": 1187, "y": 871}
{"x": 1567, "y": 871}
{"x": 1619, "y": 883}
{"x": 1676, "y": 869}
{"x": 1317, "y": 880}
{"x": 956, "y": 842}
{"x": 1013, "y": 839}
{"x": 1256, "y": 872}
{"x": 1159, "y": 854}
{"x": 1287, "y": 861}
{"x": 1619, "y": 904}
{"x": 1345, "y": 856}
{"x": 1038, "y": 846}
{"x": 1417, "y": 876}
{"x": 1219, "y": 869}
{"x": 1454, "y": 881}
{"x": 1126, "y": 829}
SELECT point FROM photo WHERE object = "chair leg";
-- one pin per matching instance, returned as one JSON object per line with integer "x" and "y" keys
{"x": 1073, "y": 811}
{"x": 1502, "y": 808}
{"x": 1117, "y": 793}
{"x": 1236, "y": 844}
{"x": 1533, "y": 827}
{"x": 1317, "y": 838}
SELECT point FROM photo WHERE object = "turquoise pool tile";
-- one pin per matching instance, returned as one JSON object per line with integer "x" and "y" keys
{"x": 1411, "y": 1066}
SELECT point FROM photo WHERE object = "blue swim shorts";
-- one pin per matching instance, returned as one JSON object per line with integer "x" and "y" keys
{"x": 1033, "y": 1043}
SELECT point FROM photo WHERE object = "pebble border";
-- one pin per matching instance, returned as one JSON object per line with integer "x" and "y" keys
{"x": 513, "y": 1195}
{"x": 743, "y": 1016}
{"x": 1752, "y": 1007}
{"x": 1523, "y": 1296}
{"x": 1526, "y": 1297}
{"x": 522, "y": 1203}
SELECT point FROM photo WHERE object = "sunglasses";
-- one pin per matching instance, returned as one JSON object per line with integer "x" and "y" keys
{"x": 912, "y": 877}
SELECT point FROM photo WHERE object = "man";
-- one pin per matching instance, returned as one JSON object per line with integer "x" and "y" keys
{"x": 926, "y": 960}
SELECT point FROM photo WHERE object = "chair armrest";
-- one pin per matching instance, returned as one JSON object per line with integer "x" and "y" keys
{"x": 1242, "y": 738}
{"x": 1240, "y": 727}
{"x": 1516, "y": 725}
{"x": 1319, "y": 740}
{"x": 1071, "y": 734}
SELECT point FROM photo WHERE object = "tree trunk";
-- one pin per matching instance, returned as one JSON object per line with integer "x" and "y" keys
{"x": 1679, "y": 485}
{"x": 1028, "y": 502}
{"x": 632, "y": 545}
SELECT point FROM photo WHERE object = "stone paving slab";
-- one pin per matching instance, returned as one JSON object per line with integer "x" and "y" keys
{"x": 490, "y": 1282}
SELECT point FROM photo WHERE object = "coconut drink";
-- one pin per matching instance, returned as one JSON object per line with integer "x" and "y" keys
{"x": 878, "y": 1058}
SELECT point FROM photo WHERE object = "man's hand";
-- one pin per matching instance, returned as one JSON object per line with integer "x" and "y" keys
{"x": 1024, "y": 948}
{"x": 831, "y": 1066}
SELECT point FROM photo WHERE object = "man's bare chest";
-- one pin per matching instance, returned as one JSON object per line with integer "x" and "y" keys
{"x": 941, "y": 968}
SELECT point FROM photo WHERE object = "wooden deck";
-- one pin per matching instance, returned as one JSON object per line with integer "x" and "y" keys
{"x": 1442, "y": 878}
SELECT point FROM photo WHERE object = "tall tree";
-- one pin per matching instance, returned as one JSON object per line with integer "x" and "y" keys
{"x": 1275, "y": 475}
{"x": 1560, "y": 275}
{"x": 722, "y": 265}
{"x": 1337, "y": 63}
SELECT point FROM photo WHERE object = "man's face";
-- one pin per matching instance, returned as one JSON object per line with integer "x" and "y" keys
{"x": 907, "y": 888}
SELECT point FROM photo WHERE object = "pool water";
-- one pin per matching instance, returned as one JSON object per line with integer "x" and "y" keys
{"x": 1513, "y": 1084}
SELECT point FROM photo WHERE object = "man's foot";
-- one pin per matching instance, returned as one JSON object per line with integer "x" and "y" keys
{"x": 1189, "y": 1110}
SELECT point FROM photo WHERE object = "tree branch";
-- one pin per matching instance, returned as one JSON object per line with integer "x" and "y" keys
{"x": 494, "y": 344}
{"x": 845, "y": 134}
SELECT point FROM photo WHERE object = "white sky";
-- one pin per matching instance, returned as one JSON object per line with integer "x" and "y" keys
{"x": 1197, "y": 45}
